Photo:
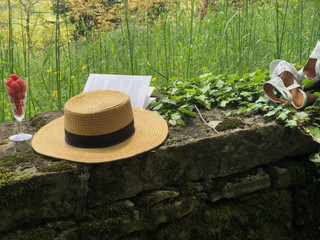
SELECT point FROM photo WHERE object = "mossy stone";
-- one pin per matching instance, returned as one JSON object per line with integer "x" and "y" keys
{"x": 230, "y": 123}
{"x": 106, "y": 222}
{"x": 246, "y": 218}
{"x": 59, "y": 166}
{"x": 8, "y": 165}
{"x": 38, "y": 233}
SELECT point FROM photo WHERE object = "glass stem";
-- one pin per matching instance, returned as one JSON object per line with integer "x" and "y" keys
{"x": 19, "y": 126}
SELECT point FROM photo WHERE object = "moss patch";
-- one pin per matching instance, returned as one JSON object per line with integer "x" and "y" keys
{"x": 39, "y": 233}
{"x": 106, "y": 222}
{"x": 59, "y": 166}
{"x": 264, "y": 215}
{"x": 8, "y": 165}
{"x": 26, "y": 191}
{"x": 10, "y": 162}
{"x": 6, "y": 177}
{"x": 230, "y": 123}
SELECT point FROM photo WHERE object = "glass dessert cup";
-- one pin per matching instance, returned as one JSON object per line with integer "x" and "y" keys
{"x": 18, "y": 99}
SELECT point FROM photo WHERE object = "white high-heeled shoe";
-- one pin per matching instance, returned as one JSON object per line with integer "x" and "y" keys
{"x": 284, "y": 80}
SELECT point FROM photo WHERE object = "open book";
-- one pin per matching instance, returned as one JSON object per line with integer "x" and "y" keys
{"x": 137, "y": 87}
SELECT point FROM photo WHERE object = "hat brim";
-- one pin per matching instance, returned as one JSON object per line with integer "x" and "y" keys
{"x": 150, "y": 131}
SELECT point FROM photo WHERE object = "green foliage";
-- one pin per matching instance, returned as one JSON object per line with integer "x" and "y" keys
{"x": 101, "y": 15}
{"x": 315, "y": 158}
{"x": 207, "y": 91}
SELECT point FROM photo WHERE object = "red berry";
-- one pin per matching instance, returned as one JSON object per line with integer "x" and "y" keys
{"x": 21, "y": 95}
{"x": 16, "y": 99}
{"x": 22, "y": 84}
{"x": 11, "y": 93}
{"x": 15, "y": 86}
{"x": 18, "y": 107}
{"x": 9, "y": 81}
{"x": 14, "y": 76}
{"x": 24, "y": 88}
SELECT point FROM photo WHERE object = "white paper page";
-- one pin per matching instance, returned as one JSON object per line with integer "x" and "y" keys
{"x": 150, "y": 100}
{"x": 135, "y": 86}
{"x": 150, "y": 91}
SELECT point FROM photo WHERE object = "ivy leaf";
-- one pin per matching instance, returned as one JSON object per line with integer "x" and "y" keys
{"x": 203, "y": 100}
{"x": 307, "y": 83}
{"x": 206, "y": 88}
{"x": 315, "y": 131}
{"x": 205, "y": 75}
{"x": 284, "y": 115}
{"x": 166, "y": 99}
{"x": 191, "y": 91}
{"x": 220, "y": 84}
{"x": 271, "y": 113}
{"x": 176, "y": 119}
{"x": 316, "y": 159}
{"x": 258, "y": 76}
{"x": 223, "y": 103}
{"x": 186, "y": 111}
{"x": 291, "y": 123}
{"x": 157, "y": 107}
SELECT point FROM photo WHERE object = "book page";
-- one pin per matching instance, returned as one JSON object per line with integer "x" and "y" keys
{"x": 148, "y": 99}
{"x": 136, "y": 87}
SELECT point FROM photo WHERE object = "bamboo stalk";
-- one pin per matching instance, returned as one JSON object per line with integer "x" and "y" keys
{"x": 57, "y": 54}
{"x": 10, "y": 37}
{"x": 190, "y": 40}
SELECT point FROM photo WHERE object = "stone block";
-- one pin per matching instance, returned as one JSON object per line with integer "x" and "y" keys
{"x": 286, "y": 173}
{"x": 45, "y": 196}
{"x": 157, "y": 197}
{"x": 237, "y": 185}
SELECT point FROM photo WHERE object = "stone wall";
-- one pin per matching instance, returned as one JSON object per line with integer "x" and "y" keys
{"x": 254, "y": 182}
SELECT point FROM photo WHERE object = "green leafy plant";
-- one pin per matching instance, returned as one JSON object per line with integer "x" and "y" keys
{"x": 207, "y": 91}
{"x": 242, "y": 95}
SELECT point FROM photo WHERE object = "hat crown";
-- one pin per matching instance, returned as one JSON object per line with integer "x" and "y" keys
{"x": 97, "y": 113}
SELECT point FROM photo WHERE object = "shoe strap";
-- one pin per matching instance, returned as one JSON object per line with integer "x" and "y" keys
{"x": 301, "y": 76}
{"x": 317, "y": 68}
{"x": 316, "y": 51}
{"x": 284, "y": 66}
{"x": 293, "y": 86}
{"x": 305, "y": 100}
{"x": 278, "y": 84}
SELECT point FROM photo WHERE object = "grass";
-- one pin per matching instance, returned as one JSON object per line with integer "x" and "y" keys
{"x": 236, "y": 38}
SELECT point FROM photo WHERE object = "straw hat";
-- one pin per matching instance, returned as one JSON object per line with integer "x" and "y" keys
{"x": 100, "y": 126}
